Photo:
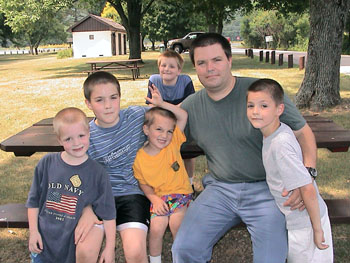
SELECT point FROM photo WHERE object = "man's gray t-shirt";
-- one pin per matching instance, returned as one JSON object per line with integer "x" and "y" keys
{"x": 283, "y": 162}
{"x": 221, "y": 128}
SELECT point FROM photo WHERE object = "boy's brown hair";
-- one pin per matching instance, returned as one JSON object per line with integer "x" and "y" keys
{"x": 69, "y": 115}
{"x": 271, "y": 86}
{"x": 99, "y": 77}
{"x": 171, "y": 54}
{"x": 151, "y": 113}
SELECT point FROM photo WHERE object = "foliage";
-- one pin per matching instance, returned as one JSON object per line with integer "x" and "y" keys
{"x": 131, "y": 13}
{"x": 289, "y": 30}
{"x": 110, "y": 12}
{"x": 171, "y": 20}
{"x": 65, "y": 53}
{"x": 218, "y": 12}
{"x": 34, "y": 20}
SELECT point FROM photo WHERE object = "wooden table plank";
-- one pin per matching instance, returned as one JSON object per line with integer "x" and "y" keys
{"x": 41, "y": 138}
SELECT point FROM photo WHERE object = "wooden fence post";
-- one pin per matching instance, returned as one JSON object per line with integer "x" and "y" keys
{"x": 261, "y": 55}
{"x": 302, "y": 63}
{"x": 246, "y": 52}
{"x": 290, "y": 61}
{"x": 280, "y": 59}
{"x": 267, "y": 58}
{"x": 273, "y": 57}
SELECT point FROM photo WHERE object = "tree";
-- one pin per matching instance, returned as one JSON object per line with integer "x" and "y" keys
{"x": 5, "y": 32}
{"x": 33, "y": 20}
{"x": 167, "y": 20}
{"x": 216, "y": 12}
{"x": 320, "y": 87}
{"x": 131, "y": 13}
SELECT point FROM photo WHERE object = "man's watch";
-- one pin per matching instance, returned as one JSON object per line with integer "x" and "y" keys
{"x": 312, "y": 172}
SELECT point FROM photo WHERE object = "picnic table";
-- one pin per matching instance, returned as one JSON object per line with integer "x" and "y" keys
{"x": 40, "y": 137}
{"x": 115, "y": 65}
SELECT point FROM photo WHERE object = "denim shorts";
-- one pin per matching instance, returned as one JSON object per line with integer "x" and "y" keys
{"x": 35, "y": 258}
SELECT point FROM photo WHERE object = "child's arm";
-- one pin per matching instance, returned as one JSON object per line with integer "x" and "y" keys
{"x": 157, "y": 100}
{"x": 159, "y": 206}
{"x": 87, "y": 220}
{"x": 308, "y": 193}
{"x": 35, "y": 240}
{"x": 108, "y": 254}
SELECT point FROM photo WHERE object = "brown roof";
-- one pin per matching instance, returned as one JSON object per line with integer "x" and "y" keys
{"x": 96, "y": 23}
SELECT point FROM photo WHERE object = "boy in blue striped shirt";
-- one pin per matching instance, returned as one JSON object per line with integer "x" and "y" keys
{"x": 115, "y": 137}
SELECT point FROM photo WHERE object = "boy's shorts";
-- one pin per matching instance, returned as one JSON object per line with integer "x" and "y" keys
{"x": 174, "y": 202}
{"x": 132, "y": 212}
{"x": 35, "y": 258}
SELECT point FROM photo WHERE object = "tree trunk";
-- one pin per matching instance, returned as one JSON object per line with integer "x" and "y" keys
{"x": 212, "y": 28}
{"x": 320, "y": 87}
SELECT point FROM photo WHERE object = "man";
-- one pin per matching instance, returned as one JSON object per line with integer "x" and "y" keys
{"x": 235, "y": 188}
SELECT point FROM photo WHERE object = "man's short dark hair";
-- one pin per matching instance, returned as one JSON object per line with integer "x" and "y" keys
{"x": 271, "y": 86}
{"x": 208, "y": 39}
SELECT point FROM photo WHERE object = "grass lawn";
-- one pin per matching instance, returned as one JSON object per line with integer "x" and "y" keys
{"x": 36, "y": 87}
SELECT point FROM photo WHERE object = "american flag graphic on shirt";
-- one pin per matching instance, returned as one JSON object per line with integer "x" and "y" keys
{"x": 62, "y": 203}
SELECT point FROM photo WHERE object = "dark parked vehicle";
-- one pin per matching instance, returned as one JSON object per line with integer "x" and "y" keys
{"x": 183, "y": 44}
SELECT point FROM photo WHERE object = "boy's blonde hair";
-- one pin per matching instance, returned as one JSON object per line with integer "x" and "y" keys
{"x": 99, "y": 77}
{"x": 69, "y": 115}
{"x": 171, "y": 54}
{"x": 152, "y": 112}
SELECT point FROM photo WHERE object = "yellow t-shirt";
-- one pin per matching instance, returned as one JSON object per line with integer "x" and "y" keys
{"x": 161, "y": 171}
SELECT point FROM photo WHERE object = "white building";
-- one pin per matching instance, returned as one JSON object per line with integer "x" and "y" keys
{"x": 96, "y": 36}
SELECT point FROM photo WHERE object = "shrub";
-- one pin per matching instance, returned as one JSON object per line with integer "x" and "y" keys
{"x": 65, "y": 53}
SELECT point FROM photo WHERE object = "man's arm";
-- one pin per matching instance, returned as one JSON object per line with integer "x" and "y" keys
{"x": 307, "y": 141}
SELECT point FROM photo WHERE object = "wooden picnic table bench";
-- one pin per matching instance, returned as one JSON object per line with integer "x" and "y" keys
{"x": 40, "y": 137}
{"x": 116, "y": 65}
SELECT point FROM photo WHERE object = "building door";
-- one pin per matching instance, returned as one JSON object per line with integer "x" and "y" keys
{"x": 124, "y": 41}
{"x": 113, "y": 44}
{"x": 119, "y": 43}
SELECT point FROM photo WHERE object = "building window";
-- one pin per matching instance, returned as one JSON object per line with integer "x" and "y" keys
{"x": 91, "y": 37}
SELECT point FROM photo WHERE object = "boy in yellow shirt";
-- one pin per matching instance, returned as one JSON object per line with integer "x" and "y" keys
{"x": 160, "y": 170}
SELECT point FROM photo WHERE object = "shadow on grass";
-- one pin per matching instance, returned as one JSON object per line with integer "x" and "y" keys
{"x": 6, "y": 59}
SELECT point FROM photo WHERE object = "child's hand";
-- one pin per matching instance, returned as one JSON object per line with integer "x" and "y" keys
{"x": 156, "y": 99}
{"x": 107, "y": 256}
{"x": 35, "y": 242}
{"x": 160, "y": 207}
{"x": 319, "y": 240}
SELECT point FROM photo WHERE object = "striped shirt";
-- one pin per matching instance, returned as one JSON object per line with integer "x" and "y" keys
{"x": 116, "y": 147}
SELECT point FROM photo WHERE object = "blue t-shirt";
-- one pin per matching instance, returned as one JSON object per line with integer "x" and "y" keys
{"x": 172, "y": 94}
{"x": 116, "y": 147}
{"x": 61, "y": 191}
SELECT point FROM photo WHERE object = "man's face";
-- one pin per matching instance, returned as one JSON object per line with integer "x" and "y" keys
{"x": 213, "y": 67}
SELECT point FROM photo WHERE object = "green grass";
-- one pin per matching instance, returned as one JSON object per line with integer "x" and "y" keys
{"x": 36, "y": 87}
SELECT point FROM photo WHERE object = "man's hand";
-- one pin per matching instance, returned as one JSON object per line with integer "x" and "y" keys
{"x": 294, "y": 201}
{"x": 87, "y": 220}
